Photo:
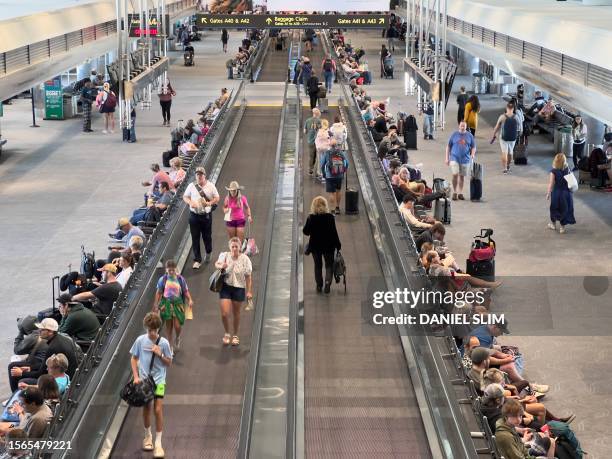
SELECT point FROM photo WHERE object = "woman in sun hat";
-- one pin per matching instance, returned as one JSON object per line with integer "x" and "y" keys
{"x": 237, "y": 211}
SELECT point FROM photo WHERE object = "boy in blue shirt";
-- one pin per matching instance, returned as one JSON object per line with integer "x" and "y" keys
{"x": 460, "y": 152}
{"x": 146, "y": 347}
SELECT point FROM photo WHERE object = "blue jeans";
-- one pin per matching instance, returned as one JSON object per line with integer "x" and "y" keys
{"x": 137, "y": 216}
{"x": 133, "y": 131}
{"x": 329, "y": 79}
{"x": 428, "y": 125}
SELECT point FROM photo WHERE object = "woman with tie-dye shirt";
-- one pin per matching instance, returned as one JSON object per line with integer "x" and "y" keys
{"x": 171, "y": 300}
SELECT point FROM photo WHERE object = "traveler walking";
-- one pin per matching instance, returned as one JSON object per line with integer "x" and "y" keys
{"x": 237, "y": 286}
{"x": 224, "y": 39}
{"x": 338, "y": 131}
{"x": 237, "y": 211}
{"x": 508, "y": 123}
{"x": 321, "y": 227}
{"x": 428, "y": 121}
{"x": 384, "y": 55}
{"x": 579, "y": 133}
{"x": 106, "y": 101}
{"x": 172, "y": 299}
{"x": 328, "y": 68}
{"x": 312, "y": 88}
{"x": 151, "y": 355}
{"x": 470, "y": 115}
{"x": 305, "y": 72}
{"x": 334, "y": 165}
{"x": 202, "y": 197}
{"x": 88, "y": 96}
{"x": 462, "y": 99}
{"x": 559, "y": 195}
{"x": 311, "y": 127}
{"x": 460, "y": 152}
{"x": 165, "y": 94}
{"x": 322, "y": 145}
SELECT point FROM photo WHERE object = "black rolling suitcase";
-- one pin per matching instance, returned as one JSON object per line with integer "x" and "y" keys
{"x": 351, "y": 198}
{"x": 279, "y": 45}
{"x": 481, "y": 262}
{"x": 167, "y": 156}
{"x": 52, "y": 312}
{"x": 520, "y": 151}
{"x": 476, "y": 182}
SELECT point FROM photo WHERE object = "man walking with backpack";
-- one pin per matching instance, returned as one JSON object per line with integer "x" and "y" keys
{"x": 329, "y": 70}
{"x": 509, "y": 125}
{"x": 334, "y": 165}
{"x": 311, "y": 127}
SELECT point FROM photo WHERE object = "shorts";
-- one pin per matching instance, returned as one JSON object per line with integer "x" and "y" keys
{"x": 459, "y": 169}
{"x": 229, "y": 292}
{"x": 236, "y": 223}
{"x": 172, "y": 308}
{"x": 507, "y": 146}
{"x": 333, "y": 184}
{"x": 160, "y": 390}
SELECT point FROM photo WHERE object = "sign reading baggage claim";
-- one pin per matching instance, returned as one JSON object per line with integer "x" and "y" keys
{"x": 292, "y": 21}
{"x": 136, "y": 30}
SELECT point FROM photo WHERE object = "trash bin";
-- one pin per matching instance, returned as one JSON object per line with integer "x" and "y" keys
{"x": 564, "y": 141}
{"x": 479, "y": 83}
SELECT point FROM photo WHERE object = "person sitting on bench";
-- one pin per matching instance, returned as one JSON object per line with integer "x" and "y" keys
{"x": 402, "y": 180}
{"x": 546, "y": 114}
{"x": 407, "y": 210}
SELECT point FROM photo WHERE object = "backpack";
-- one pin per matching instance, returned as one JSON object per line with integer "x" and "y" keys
{"x": 111, "y": 100}
{"x": 152, "y": 215}
{"x": 335, "y": 163}
{"x": 563, "y": 432}
{"x": 88, "y": 263}
{"x": 78, "y": 352}
{"x": 328, "y": 65}
{"x": 510, "y": 129}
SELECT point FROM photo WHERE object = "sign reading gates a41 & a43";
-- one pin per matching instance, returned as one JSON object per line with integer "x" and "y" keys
{"x": 54, "y": 101}
{"x": 136, "y": 30}
{"x": 293, "y": 21}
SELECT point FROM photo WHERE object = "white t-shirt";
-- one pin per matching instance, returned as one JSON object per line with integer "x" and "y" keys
{"x": 192, "y": 193}
{"x": 236, "y": 269}
{"x": 124, "y": 276}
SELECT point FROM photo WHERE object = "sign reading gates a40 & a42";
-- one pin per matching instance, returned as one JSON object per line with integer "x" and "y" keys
{"x": 54, "y": 102}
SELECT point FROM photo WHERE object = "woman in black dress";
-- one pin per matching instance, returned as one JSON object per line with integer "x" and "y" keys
{"x": 323, "y": 242}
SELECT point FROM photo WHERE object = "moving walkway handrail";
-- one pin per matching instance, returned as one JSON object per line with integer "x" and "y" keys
{"x": 162, "y": 244}
{"x": 246, "y": 420}
{"x": 426, "y": 368}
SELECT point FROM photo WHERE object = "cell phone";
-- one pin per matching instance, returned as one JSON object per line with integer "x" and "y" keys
{"x": 545, "y": 428}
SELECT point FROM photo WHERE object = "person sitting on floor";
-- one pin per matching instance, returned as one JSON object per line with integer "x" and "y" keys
{"x": 402, "y": 180}
{"x": 78, "y": 322}
{"x": 106, "y": 294}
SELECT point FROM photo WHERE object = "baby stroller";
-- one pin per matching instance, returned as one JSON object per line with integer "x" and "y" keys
{"x": 388, "y": 67}
{"x": 188, "y": 55}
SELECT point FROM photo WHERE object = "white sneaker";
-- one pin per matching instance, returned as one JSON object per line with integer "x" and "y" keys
{"x": 104, "y": 131}
{"x": 562, "y": 230}
{"x": 147, "y": 443}
{"x": 158, "y": 452}
{"x": 196, "y": 265}
{"x": 543, "y": 388}
{"x": 552, "y": 226}
{"x": 112, "y": 132}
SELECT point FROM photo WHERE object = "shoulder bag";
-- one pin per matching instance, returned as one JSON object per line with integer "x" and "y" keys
{"x": 138, "y": 395}
{"x": 215, "y": 282}
{"x": 202, "y": 194}
{"x": 572, "y": 183}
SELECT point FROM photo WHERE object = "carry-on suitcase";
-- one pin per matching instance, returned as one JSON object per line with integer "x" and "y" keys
{"x": 481, "y": 262}
{"x": 476, "y": 182}
{"x": 351, "y": 198}
{"x": 324, "y": 105}
{"x": 442, "y": 210}
{"x": 520, "y": 151}
{"x": 167, "y": 156}
{"x": 52, "y": 312}
{"x": 410, "y": 139}
{"x": 322, "y": 93}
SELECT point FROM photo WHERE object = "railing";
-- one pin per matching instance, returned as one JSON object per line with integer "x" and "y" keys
{"x": 72, "y": 411}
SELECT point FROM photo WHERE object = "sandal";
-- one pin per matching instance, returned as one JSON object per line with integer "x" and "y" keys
{"x": 235, "y": 340}
{"x": 226, "y": 339}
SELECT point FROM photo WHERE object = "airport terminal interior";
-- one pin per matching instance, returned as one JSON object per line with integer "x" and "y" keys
{"x": 263, "y": 229}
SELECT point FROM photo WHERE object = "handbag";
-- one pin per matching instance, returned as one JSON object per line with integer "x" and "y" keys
{"x": 249, "y": 247}
{"x": 215, "y": 282}
{"x": 141, "y": 394}
{"x": 572, "y": 183}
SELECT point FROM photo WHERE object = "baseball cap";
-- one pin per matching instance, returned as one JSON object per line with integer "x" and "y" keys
{"x": 109, "y": 267}
{"x": 480, "y": 354}
{"x": 64, "y": 298}
{"x": 123, "y": 221}
{"x": 48, "y": 324}
{"x": 200, "y": 170}
{"x": 494, "y": 391}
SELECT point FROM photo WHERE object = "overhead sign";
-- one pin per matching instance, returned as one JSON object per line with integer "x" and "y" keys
{"x": 54, "y": 101}
{"x": 292, "y": 21}
{"x": 136, "y": 30}
{"x": 326, "y": 5}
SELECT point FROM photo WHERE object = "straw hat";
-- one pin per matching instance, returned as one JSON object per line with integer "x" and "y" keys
{"x": 234, "y": 186}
